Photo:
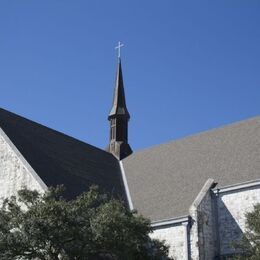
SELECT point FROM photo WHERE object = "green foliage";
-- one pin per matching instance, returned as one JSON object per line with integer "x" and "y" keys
{"x": 47, "y": 227}
{"x": 250, "y": 243}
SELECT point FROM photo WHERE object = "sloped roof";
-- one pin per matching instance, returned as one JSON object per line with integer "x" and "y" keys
{"x": 60, "y": 159}
{"x": 164, "y": 180}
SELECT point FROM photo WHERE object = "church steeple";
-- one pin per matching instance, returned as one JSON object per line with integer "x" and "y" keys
{"x": 119, "y": 117}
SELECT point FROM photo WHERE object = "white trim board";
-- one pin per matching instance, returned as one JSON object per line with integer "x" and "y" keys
{"x": 129, "y": 199}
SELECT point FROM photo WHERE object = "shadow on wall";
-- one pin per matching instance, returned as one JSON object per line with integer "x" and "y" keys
{"x": 230, "y": 232}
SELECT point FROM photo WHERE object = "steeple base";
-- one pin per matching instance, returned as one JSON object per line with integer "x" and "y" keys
{"x": 119, "y": 149}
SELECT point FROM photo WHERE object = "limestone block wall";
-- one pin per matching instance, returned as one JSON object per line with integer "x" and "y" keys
{"x": 175, "y": 237}
{"x": 203, "y": 231}
{"x": 207, "y": 227}
{"x": 15, "y": 172}
{"x": 232, "y": 206}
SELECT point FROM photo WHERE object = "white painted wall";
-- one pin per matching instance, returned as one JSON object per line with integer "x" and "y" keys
{"x": 15, "y": 172}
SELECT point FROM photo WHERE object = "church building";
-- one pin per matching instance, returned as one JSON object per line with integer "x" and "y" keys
{"x": 195, "y": 190}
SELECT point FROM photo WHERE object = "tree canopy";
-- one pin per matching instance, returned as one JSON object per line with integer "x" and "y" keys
{"x": 250, "y": 244}
{"x": 92, "y": 226}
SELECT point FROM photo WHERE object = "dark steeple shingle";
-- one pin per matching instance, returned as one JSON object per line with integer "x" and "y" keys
{"x": 119, "y": 105}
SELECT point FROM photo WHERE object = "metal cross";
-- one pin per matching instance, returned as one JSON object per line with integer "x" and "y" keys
{"x": 119, "y": 48}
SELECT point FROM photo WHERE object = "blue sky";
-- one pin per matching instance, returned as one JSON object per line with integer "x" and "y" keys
{"x": 188, "y": 66}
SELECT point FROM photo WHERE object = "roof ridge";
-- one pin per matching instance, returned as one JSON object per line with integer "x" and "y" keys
{"x": 197, "y": 134}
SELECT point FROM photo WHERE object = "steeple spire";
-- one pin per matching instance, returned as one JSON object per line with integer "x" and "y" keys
{"x": 119, "y": 104}
{"x": 119, "y": 117}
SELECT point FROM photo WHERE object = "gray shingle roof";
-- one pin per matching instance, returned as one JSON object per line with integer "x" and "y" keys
{"x": 60, "y": 159}
{"x": 164, "y": 180}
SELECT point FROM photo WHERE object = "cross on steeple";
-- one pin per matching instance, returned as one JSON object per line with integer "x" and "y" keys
{"x": 119, "y": 48}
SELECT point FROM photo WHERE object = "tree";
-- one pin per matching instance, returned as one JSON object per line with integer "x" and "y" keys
{"x": 250, "y": 244}
{"x": 93, "y": 226}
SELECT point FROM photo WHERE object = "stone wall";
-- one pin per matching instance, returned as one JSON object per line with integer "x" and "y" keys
{"x": 207, "y": 227}
{"x": 232, "y": 206}
{"x": 175, "y": 237}
{"x": 217, "y": 222}
{"x": 203, "y": 230}
{"x": 15, "y": 172}
{"x": 202, "y": 240}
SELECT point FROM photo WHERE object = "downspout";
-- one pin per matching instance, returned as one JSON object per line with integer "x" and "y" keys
{"x": 186, "y": 239}
{"x": 216, "y": 198}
